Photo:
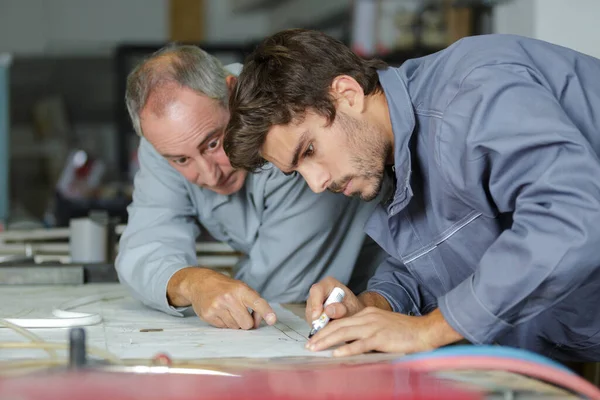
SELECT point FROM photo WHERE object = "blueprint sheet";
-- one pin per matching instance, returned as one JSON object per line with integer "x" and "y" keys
{"x": 130, "y": 330}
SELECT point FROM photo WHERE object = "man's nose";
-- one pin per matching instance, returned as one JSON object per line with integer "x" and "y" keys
{"x": 316, "y": 178}
{"x": 208, "y": 171}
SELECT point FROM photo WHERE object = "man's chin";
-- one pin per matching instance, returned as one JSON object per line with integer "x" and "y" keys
{"x": 368, "y": 197}
{"x": 360, "y": 195}
{"x": 238, "y": 181}
{"x": 371, "y": 195}
{"x": 232, "y": 185}
{"x": 227, "y": 190}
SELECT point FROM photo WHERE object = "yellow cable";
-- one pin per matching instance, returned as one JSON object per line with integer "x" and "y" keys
{"x": 11, "y": 366}
{"x": 29, "y": 335}
{"x": 39, "y": 343}
{"x": 60, "y": 346}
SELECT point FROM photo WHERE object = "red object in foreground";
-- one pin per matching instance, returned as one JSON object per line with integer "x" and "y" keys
{"x": 376, "y": 381}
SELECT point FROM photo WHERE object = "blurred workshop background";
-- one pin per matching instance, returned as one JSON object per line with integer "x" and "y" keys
{"x": 66, "y": 145}
{"x": 67, "y": 148}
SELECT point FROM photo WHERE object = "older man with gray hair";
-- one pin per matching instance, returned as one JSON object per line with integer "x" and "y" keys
{"x": 292, "y": 238}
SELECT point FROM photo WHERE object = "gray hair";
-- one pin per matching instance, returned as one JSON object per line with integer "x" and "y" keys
{"x": 187, "y": 66}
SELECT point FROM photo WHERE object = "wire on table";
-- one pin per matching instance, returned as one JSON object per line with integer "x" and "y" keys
{"x": 547, "y": 373}
{"x": 488, "y": 351}
{"x": 28, "y": 335}
{"x": 60, "y": 346}
{"x": 12, "y": 366}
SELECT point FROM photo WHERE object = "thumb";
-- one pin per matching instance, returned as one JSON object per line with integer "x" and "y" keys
{"x": 336, "y": 310}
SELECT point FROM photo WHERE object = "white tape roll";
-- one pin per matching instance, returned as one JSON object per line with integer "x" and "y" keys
{"x": 88, "y": 241}
{"x": 67, "y": 319}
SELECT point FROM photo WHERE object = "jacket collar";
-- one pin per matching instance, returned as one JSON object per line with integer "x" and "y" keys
{"x": 402, "y": 117}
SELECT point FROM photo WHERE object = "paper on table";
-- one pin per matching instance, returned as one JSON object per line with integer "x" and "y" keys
{"x": 131, "y": 330}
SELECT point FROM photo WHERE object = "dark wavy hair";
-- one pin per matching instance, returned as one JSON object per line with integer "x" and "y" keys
{"x": 288, "y": 74}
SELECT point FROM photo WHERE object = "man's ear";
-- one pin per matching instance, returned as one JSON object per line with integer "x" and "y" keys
{"x": 348, "y": 93}
{"x": 230, "y": 80}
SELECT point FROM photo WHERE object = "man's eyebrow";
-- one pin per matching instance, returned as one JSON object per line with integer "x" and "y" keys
{"x": 211, "y": 135}
{"x": 298, "y": 149}
{"x": 172, "y": 156}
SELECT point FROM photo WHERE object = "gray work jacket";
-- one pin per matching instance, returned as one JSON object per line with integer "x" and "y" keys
{"x": 495, "y": 214}
{"x": 291, "y": 236}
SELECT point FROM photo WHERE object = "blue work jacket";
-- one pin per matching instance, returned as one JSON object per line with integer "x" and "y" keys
{"x": 494, "y": 215}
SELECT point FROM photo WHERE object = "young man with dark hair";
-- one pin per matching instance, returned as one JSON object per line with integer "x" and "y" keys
{"x": 487, "y": 157}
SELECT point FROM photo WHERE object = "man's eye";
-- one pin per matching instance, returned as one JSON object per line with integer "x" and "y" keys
{"x": 181, "y": 160}
{"x": 214, "y": 144}
{"x": 310, "y": 150}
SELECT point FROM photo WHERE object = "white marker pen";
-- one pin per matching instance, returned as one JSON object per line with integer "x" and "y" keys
{"x": 336, "y": 296}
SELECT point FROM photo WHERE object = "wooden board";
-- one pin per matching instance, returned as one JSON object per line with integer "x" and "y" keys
{"x": 186, "y": 21}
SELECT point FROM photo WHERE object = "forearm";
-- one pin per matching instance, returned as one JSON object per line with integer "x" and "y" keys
{"x": 372, "y": 299}
{"x": 439, "y": 331}
{"x": 399, "y": 290}
{"x": 181, "y": 285}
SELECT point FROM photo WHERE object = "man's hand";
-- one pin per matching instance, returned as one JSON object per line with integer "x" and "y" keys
{"x": 219, "y": 300}
{"x": 375, "y": 329}
{"x": 318, "y": 294}
{"x": 349, "y": 306}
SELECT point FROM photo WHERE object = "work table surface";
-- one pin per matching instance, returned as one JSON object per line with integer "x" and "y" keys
{"x": 135, "y": 334}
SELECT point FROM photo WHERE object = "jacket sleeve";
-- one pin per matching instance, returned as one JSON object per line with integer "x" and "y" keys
{"x": 302, "y": 238}
{"x": 160, "y": 236}
{"x": 507, "y": 146}
{"x": 394, "y": 282}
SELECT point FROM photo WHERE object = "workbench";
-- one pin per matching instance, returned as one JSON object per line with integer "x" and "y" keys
{"x": 138, "y": 336}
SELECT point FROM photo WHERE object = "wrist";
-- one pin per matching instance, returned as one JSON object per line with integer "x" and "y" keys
{"x": 373, "y": 299}
{"x": 180, "y": 286}
{"x": 438, "y": 331}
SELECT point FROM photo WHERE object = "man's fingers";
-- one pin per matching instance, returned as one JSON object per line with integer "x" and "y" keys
{"x": 257, "y": 318}
{"x": 339, "y": 336}
{"x": 241, "y": 315}
{"x": 260, "y": 306}
{"x": 316, "y": 297}
{"x": 228, "y": 319}
{"x": 356, "y": 347}
{"x": 338, "y": 324}
{"x": 336, "y": 310}
{"x": 217, "y": 322}
{"x": 340, "y": 331}
{"x": 308, "y": 312}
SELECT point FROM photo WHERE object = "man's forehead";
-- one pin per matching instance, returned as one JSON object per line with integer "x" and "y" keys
{"x": 279, "y": 145}
{"x": 161, "y": 98}
{"x": 282, "y": 146}
{"x": 176, "y": 99}
{"x": 180, "y": 131}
